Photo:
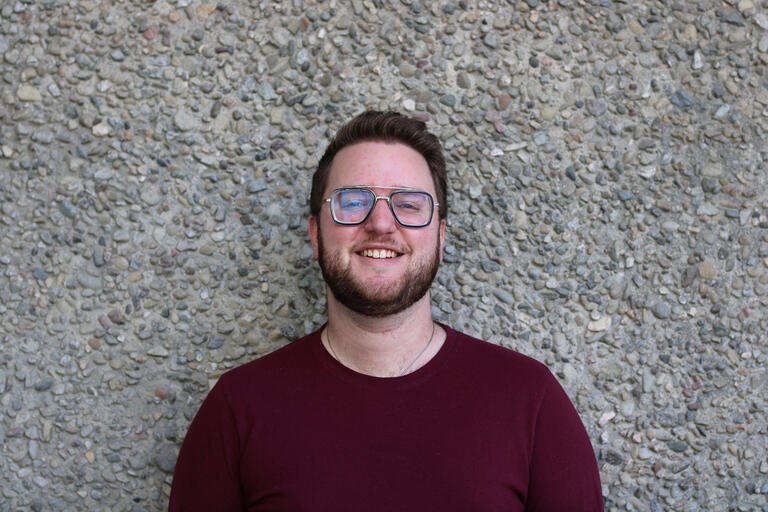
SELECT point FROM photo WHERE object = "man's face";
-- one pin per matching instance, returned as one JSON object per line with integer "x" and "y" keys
{"x": 365, "y": 284}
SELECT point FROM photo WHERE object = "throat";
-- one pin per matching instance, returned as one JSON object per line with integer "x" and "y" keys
{"x": 378, "y": 363}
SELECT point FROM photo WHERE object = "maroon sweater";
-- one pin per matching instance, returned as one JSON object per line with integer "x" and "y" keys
{"x": 478, "y": 428}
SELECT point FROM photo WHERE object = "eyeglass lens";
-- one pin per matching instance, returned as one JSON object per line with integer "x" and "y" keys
{"x": 352, "y": 206}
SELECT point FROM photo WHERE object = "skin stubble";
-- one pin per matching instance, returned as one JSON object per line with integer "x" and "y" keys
{"x": 376, "y": 302}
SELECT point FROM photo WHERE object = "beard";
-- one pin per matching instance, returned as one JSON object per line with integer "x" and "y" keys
{"x": 377, "y": 300}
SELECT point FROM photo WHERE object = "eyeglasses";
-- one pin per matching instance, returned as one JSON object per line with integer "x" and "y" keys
{"x": 411, "y": 208}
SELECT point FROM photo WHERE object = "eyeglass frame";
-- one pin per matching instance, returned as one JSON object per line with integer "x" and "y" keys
{"x": 376, "y": 200}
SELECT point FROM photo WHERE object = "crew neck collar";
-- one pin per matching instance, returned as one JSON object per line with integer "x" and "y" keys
{"x": 413, "y": 378}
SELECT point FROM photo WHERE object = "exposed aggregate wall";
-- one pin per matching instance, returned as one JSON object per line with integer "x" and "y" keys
{"x": 607, "y": 215}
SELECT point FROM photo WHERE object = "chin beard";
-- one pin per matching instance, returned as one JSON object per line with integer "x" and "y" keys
{"x": 377, "y": 301}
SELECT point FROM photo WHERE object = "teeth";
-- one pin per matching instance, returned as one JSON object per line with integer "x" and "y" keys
{"x": 379, "y": 253}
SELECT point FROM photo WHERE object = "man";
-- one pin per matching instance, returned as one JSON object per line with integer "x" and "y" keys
{"x": 383, "y": 409}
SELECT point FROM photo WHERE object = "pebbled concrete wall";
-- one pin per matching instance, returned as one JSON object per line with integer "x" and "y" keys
{"x": 607, "y": 216}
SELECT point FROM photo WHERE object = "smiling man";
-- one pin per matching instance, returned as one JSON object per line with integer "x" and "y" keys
{"x": 384, "y": 409}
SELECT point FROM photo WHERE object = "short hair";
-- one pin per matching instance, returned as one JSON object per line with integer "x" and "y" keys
{"x": 386, "y": 127}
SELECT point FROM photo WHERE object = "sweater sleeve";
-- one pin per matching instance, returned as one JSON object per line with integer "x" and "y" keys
{"x": 206, "y": 473}
{"x": 563, "y": 470}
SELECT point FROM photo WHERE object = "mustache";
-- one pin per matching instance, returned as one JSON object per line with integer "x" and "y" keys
{"x": 386, "y": 242}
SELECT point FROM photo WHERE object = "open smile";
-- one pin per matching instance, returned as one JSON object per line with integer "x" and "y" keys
{"x": 379, "y": 253}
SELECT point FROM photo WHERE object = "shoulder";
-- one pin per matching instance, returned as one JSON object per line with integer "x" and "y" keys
{"x": 494, "y": 370}
{"x": 493, "y": 356}
{"x": 281, "y": 364}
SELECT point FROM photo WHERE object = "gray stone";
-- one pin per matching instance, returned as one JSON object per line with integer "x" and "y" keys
{"x": 761, "y": 20}
{"x": 407, "y": 70}
{"x": 151, "y": 196}
{"x": 215, "y": 342}
{"x": 490, "y": 42}
{"x": 68, "y": 209}
{"x": 88, "y": 281}
{"x": 677, "y": 446}
{"x": 165, "y": 463}
{"x": 596, "y": 108}
{"x": 463, "y": 80}
{"x": 707, "y": 209}
{"x": 448, "y": 100}
{"x": 28, "y": 93}
{"x": 185, "y": 121}
{"x": 98, "y": 256}
{"x": 722, "y": 112}
{"x": 540, "y": 138}
{"x": 683, "y": 99}
{"x": 732, "y": 17}
{"x": 661, "y": 310}
{"x": 53, "y": 88}
{"x": 504, "y": 296}
{"x": 265, "y": 90}
{"x": 256, "y": 185}
{"x": 706, "y": 270}
{"x": 762, "y": 45}
{"x": 698, "y": 60}
{"x": 44, "y": 385}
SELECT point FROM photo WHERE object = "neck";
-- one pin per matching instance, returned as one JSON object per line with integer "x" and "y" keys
{"x": 382, "y": 347}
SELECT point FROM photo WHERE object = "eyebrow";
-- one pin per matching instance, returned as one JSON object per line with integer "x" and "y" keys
{"x": 377, "y": 186}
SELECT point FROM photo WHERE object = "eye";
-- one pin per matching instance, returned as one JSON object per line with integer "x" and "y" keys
{"x": 353, "y": 199}
{"x": 352, "y": 203}
{"x": 409, "y": 202}
{"x": 407, "y": 205}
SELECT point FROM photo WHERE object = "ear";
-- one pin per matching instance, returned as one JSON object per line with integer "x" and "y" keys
{"x": 313, "y": 235}
{"x": 441, "y": 234}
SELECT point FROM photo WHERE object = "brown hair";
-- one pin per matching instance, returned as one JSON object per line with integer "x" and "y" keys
{"x": 386, "y": 127}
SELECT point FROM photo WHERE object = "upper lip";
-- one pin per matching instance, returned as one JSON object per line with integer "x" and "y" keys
{"x": 379, "y": 247}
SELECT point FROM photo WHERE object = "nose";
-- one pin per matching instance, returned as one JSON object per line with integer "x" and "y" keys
{"x": 381, "y": 219}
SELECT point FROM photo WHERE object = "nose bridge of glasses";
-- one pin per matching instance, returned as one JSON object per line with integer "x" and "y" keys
{"x": 375, "y": 202}
{"x": 370, "y": 213}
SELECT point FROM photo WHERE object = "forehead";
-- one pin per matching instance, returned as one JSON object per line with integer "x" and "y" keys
{"x": 380, "y": 164}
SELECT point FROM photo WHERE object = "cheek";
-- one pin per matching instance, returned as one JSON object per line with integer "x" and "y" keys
{"x": 425, "y": 244}
{"x": 334, "y": 240}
